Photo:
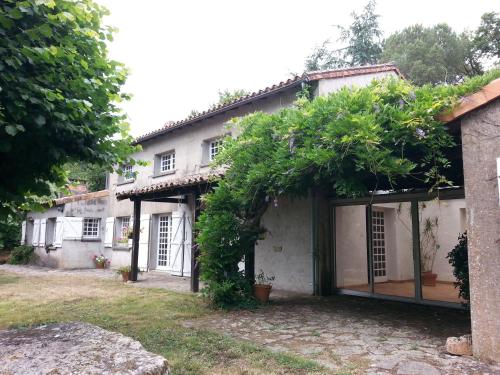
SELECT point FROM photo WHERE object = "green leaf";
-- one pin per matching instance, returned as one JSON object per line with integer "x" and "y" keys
{"x": 11, "y": 130}
{"x": 40, "y": 120}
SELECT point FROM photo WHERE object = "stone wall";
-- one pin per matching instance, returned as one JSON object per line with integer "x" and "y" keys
{"x": 481, "y": 147}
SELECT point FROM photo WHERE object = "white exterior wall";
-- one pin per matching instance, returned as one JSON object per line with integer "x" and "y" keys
{"x": 286, "y": 250}
{"x": 351, "y": 239}
{"x": 74, "y": 253}
{"x": 326, "y": 86}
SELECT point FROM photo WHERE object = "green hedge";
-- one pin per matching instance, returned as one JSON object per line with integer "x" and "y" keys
{"x": 23, "y": 254}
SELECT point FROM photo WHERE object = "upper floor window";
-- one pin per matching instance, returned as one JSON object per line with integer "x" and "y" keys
{"x": 90, "y": 227}
{"x": 128, "y": 175}
{"x": 167, "y": 162}
{"x": 214, "y": 148}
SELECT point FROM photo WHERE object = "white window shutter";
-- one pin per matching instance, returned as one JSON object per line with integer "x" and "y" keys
{"x": 109, "y": 231}
{"x": 176, "y": 243}
{"x": 144, "y": 241}
{"x": 43, "y": 231}
{"x": 58, "y": 232}
{"x": 36, "y": 232}
{"x": 188, "y": 243}
{"x": 130, "y": 226}
{"x": 23, "y": 233}
{"x": 73, "y": 228}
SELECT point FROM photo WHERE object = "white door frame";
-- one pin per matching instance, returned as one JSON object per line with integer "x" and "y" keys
{"x": 163, "y": 247}
{"x": 379, "y": 246}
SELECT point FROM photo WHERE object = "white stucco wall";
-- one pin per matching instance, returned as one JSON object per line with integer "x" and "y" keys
{"x": 73, "y": 253}
{"x": 451, "y": 222}
{"x": 351, "y": 239}
{"x": 286, "y": 250}
{"x": 326, "y": 86}
{"x": 350, "y": 243}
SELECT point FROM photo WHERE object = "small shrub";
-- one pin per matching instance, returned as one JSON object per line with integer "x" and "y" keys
{"x": 10, "y": 232}
{"x": 23, "y": 254}
{"x": 458, "y": 258}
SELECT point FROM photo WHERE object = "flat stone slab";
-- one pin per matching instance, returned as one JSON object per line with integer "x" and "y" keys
{"x": 75, "y": 348}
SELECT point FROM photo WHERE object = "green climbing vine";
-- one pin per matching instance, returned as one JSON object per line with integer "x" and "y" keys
{"x": 385, "y": 136}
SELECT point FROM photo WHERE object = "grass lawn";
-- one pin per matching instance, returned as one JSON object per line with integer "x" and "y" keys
{"x": 152, "y": 316}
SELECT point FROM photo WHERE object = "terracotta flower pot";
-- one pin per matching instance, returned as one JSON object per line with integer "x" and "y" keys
{"x": 99, "y": 265}
{"x": 125, "y": 276}
{"x": 262, "y": 292}
{"x": 429, "y": 278}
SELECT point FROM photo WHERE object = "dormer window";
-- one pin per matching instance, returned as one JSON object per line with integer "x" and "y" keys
{"x": 167, "y": 162}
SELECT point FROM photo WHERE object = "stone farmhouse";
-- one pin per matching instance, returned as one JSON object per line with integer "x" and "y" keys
{"x": 390, "y": 246}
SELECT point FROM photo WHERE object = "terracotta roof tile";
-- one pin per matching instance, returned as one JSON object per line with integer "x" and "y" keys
{"x": 185, "y": 181}
{"x": 294, "y": 81}
{"x": 472, "y": 102}
{"x": 81, "y": 197}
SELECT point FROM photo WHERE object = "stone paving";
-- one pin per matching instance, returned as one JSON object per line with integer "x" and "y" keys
{"x": 356, "y": 335}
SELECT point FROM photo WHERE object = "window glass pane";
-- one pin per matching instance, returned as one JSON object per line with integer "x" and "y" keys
{"x": 393, "y": 249}
{"x": 167, "y": 162}
{"x": 440, "y": 223}
{"x": 90, "y": 227}
{"x": 351, "y": 248}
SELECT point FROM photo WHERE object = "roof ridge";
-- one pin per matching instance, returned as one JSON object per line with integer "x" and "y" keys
{"x": 306, "y": 76}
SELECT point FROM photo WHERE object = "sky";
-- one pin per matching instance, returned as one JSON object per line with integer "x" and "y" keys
{"x": 181, "y": 53}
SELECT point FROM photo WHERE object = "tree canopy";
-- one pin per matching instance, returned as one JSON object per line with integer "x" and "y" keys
{"x": 227, "y": 96}
{"x": 59, "y": 95}
{"x": 435, "y": 54}
{"x": 352, "y": 142}
{"x": 361, "y": 43}
{"x": 431, "y": 54}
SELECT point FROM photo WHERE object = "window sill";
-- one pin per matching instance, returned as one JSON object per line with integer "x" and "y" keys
{"x": 91, "y": 240}
{"x": 125, "y": 182}
{"x": 166, "y": 173}
{"x": 121, "y": 248}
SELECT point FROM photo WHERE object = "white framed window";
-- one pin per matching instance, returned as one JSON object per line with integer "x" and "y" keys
{"x": 90, "y": 227}
{"x": 124, "y": 225}
{"x": 213, "y": 148}
{"x": 167, "y": 162}
{"x": 127, "y": 173}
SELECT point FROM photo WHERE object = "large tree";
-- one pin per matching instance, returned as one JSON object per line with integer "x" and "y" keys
{"x": 361, "y": 43}
{"x": 59, "y": 95}
{"x": 432, "y": 54}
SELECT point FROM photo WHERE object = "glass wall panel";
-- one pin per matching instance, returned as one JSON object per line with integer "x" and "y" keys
{"x": 393, "y": 249}
{"x": 351, "y": 248}
{"x": 440, "y": 223}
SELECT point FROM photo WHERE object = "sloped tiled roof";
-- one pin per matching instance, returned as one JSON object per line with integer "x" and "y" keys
{"x": 268, "y": 91}
{"x": 472, "y": 102}
{"x": 81, "y": 197}
{"x": 180, "y": 182}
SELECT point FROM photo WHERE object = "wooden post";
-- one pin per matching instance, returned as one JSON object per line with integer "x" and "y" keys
{"x": 195, "y": 252}
{"x": 135, "y": 241}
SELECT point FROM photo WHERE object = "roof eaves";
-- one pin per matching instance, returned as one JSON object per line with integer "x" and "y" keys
{"x": 474, "y": 101}
{"x": 261, "y": 94}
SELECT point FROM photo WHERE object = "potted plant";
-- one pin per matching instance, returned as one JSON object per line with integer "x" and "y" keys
{"x": 125, "y": 272}
{"x": 100, "y": 261}
{"x": 429, "y": 247}
{"x": 263, "y": 286}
